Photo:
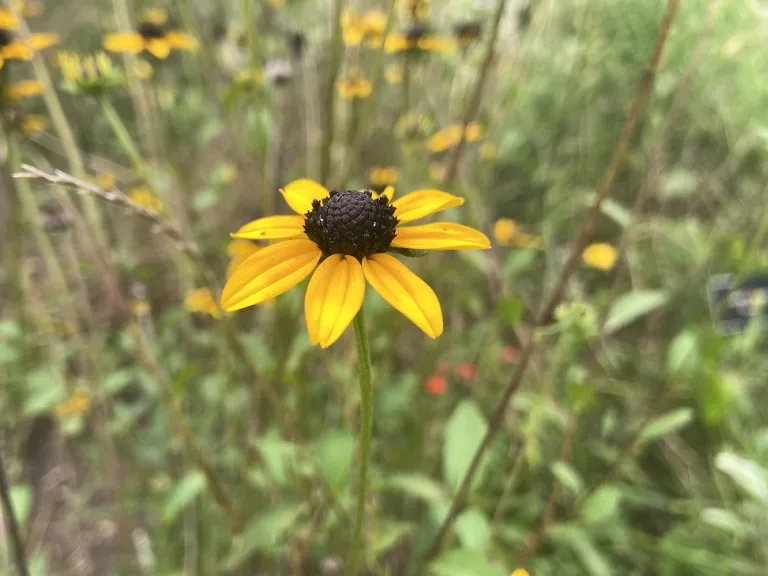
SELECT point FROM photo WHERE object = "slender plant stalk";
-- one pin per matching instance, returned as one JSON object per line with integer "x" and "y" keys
{"x": 366, "y": 424}
{"x": 123, "y": 136}
{"x": 603, "y": 188}
{"x": 477, "y": 94}
{"x": 13, "y": 524}
{"x": 330, "y": 97}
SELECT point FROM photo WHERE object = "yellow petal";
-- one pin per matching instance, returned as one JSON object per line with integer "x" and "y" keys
{"x": 405, "y": 291}
{"x": 421, "y": 203}
{"x": 396, "y": 43}
{"x": 158, "y": 47}
{"x": 7, "y": 20}
{"x": 18, "y": 51}
{"x": 600, "y": 255}
{"x": 2, "y": 61}
{"x": 132, "y": 42}
{"x": 23, "y": 89}
{"x": 504, "y": 230}
{"x": 40, "y": 41}
{"x": 389, "y": 192}
{"x": 334, "y": 296}
{"x": 300, "y": 194}
{"x": 272, "y": 228}
{"x": 269, "y": 273}
{"x": 181, "y": 41}
{"x": 441, "y": 236}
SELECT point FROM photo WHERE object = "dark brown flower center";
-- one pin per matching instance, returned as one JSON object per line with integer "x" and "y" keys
{"x": 150, "y": 31}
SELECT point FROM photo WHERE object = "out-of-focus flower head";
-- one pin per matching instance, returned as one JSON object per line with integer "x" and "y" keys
{"x": 201, "y": 301}
{"x": 354, "y": 85}
{"x": 367, "y": 27}
{"x": 467, "y": 370}
{"x": 489, "y": 151}
{"x": 92, "y": 74}
{"x": 507, "y": 233}
{"x": 143, "y": 198}
{"x": 600, "y": 256}
{"x": 152, "y": 35}
{"x": 381, "y": 176}
{"x": 22, "y": 89}
{"x": 450, "y": 136}
{"x": 414, "y": 126}
{"x": 393, "y": 74}
{"x": 436, "y": 384}
{"x": 418, "y": 39}
{"x": 14, "y": 48}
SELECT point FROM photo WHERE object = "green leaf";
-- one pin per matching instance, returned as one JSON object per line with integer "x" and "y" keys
{"x": 44, "y": 390}
{"x": 580, "y": 543}
{"x": 464, "y": 432}
{"x": 724, "y": 520}
{"x": 511, "y": 310}
{"x": 264, "y": 534}
{"x": 666, "y": 424}
{"x": 567, "y": 476}
{"x": 190, "y": 487}
{"x": 678, "y": 184}
{"x": 277, "y": 454}
{"x": 747, "y": 474}
{"x": 465, "y": 563}
{"x": 713, "y": 398}
{"x": 333, "y": 453}
{"x": 683, "y": 353}
{"x": 473, "y": 529}
{"x": 632, "y": 306}
{"x": 21, "y": 501}
{"x": 417, "y": 486}
{"x": 116, "y": 381}
{"x": 602, "y": 505}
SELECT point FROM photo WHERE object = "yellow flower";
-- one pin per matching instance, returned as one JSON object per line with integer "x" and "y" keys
{"x": 201, "y": 301}
{"x": 355, "y": 85}
{"x": 105, "y": 180}
{"x": 90, "y": 74}
{"x": 78, "y": 404}
{"x": 418, "y": 38}
{"x": 143, "y": 198}
{"x": 417, "y": 9}
{"x": 23, "y": 89}
{"x": 368, "y": 26}
{"x": 33, "y": 123}
{"x": 504, "y": 230}
{"x": 383, "y": 176}
{"x": 140, "y": 308}
{"x": 600, "y": 255}
{"x": 239, "y": 251}
{"x": 351, "y": 232}
{"x": 520, "y": 572}
{"x": 489, "y": 151}
{"x": 13, "y": 48}
{"x": 8, "y": 20}
{"x": 473, "y": 132}
{"x": 393, "y": 74}
{"x": 450, "y": 136}
{"x": 153, "y": 35}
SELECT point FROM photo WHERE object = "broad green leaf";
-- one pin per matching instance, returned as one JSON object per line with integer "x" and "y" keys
{"x": 666, "y": 424}
{"x": 473, "y": 529}
{"x": 463, "y": 434}
{"x": 567, "y": 476}
{"x": 511, "y": 310}
{"x": 190, "y": 487}
{"x": 277, "y": 454}
{"x": 580, "y": 543}
{"x": 264, "y": 534}
{"x": 466, "y": 563}
{"x": 602, "y": 505}
{"x": 683, "y": 353}
{"x": 633, "y": 306}
{"x": 749, "y": 475}
{"x": 415, "y": 485}
{"x": 333, "y": 453}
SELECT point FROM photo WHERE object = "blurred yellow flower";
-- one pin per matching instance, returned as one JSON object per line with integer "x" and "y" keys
{"x": 143, "y": 198}
{"x": 383, "y": 176}
{"x": 105, "y": 180}
{"x": 504, "y": 230}
{"x": 33, "y": 123}
{"x": 23, "y": 89}
{"x": 473, "y": 132}
{"x": 89, "y": 74}
{"x": 600, "y": 255}
{"x": 520, "y": 572}
{"x": 354, "y": 85}
{"x": 78, "y": 404}
{"x": 489, "y": 151}
{"x": 393, "y": 74}
{"x": 151, "y": 35}
{"x": 450, "y": 136}
{"x": 140, "y": 307}
{"x": 369, "y": 27}
{"x": 8, "y": 20}
{"x": 238, "y": 251}
{"x": 201, "y": 301}
{"x": 418, "y": 38}
{"x": 13, "y": 48}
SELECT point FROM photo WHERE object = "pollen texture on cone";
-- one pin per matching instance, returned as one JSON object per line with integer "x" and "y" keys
{"x": 351, "y": 222}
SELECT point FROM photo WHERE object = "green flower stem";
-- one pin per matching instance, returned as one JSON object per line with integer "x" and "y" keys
{"x": 366, "y": 424}
{"x": 7, "y": 511}
{"x": 123, "y": 136}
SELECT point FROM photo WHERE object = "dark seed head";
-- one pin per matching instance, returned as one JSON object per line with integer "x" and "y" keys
{"x": 151, "y": 31}
{"x": 6, "y": 37}
{"x": 352, "y": 223}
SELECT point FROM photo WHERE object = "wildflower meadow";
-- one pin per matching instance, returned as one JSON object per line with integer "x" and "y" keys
{"x": 383, "y": 287}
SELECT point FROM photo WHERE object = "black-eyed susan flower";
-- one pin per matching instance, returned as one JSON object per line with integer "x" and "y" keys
{"x": 468, "y": 32}
{"x": 600, "y": 255}
{"x": 201, "y": 301}
{"x": 354, "y": 85}
{"x": 143, "y": 198}
{"x": 393, "y": 74}
{"x": 418, "y": 9}
{"x": 22, "y": 89}
{"x": 367, "y": 27}
{"x": 507, "y": 233}
{"x": 383, "y": 176}
{"x": 91, "y": 74}
{"x": 14, "y": 48}
{"x": 418, "y": 39}
{"x": 520, "y": 572}
{"x": 348, "y": 233}
{"x": 450, "y": 136}
{"x": 153, "y": 35}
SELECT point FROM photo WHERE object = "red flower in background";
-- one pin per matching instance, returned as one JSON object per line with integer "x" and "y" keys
{"x": 467, "y": 370}
{"x": 436, "y": 384}
{"x": 509, "y": 354}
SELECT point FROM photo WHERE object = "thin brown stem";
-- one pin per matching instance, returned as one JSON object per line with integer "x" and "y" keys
{"x": 603, "y": 188}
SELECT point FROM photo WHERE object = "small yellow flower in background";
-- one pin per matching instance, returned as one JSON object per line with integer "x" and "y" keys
{"x": 489, "y": 151}
{"x": 105, "y": 180}
{"x": 33, "y": 123}
{"x": 23, "y": 89}
{"x": 383, "y": 176}
{"x": 417, "y": 9}
{"x": 89, "y": 74}
{"x": 520, "y": 572}
{"x": 504, "y": 230}
{"x": 450, "y": 136}
{"x": 354, "y": 85}
{"x": 153, "y": 35}
{"x": 8, "y": 20}
{"x": 368, "y": 27}
{"x": 600, "y": 255}
{"x": 473, "y": 132}
{"x": 78, "y": 404}
{"x": 140, "y": 308}
{"x": 414, "y": 125}
{"x": 351, "y": 231}
{"x": 143, "y": 198}
{"x": 417, "y": 38}
{"x": 201, "y": 301}
{"x": 143, "y": 69}
{"x": 393, "y": 74}
{"x": 239, "y": 251}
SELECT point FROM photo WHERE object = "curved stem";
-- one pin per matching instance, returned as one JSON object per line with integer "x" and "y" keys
{"x": 13, "y": 525}
{"x": 122, "y": 134}
{"x": 366, "y": 425}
